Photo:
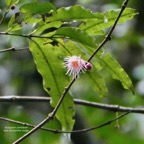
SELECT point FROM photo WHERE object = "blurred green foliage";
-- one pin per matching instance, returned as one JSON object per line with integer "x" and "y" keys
{"x": 18, "y": 76}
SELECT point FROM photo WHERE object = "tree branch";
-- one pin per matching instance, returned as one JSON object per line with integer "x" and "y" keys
{"x": 114, "y": 108}
{"x": 74, "y": 131}
{"x": 32, "y": 130}
{"x": 12, "y": 49}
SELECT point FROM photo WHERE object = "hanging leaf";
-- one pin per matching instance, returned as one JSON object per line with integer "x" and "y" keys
{"x": 98, "y": 83}
{"x": 49, "y": 62}
{"x": 117, "y": 71}
{"x": 76, "y": 35}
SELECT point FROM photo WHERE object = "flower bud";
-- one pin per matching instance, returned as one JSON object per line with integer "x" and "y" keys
{"x": 88, "y": 66}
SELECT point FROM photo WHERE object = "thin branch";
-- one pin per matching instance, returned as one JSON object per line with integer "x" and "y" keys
{"x": 109, "y": 107}
{"x": 102, "y": 125}
{"x": 48, "y": 118}
{"x": 32, "y": 130}
{"x": 14, "y": 34}
{"x": 115, "y": 108}
{"x": 12, "y": 98}
{"x": 13, "y": 49}
{"x": 74, "y": 131}
{"x": 26, "y": 124}
{"x": 28, "y": 35}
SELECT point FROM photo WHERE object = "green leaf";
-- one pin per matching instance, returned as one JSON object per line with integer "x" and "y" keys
{"x": 77, "y": 35}
{"x": 12, "y": 25}
{"x": 117, "y": 71}
{"x": 49, "y": 62}
{"x": 11, "y": 21}
{"x": 71, "y": 48}
{"x": 47, "y": 28}
{"x": 74, "y": 13}
{"x": 94, "y": 27}
{"x": 11, "y": 2}
{"x": 98, "y": 82}
{"x": 111, "y": 15}
{"x": 15, "y": 27}
{"x": 32, "y": 20}
{"x": 37, "y": 8}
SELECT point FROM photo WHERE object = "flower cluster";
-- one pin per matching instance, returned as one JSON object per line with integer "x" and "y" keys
{"x": 75, "y": 65}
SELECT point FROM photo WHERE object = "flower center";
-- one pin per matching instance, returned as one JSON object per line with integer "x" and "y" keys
{"x": 75, "y": 63}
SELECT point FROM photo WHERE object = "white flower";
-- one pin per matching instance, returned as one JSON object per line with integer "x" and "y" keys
{"x": 75, "y": 65}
